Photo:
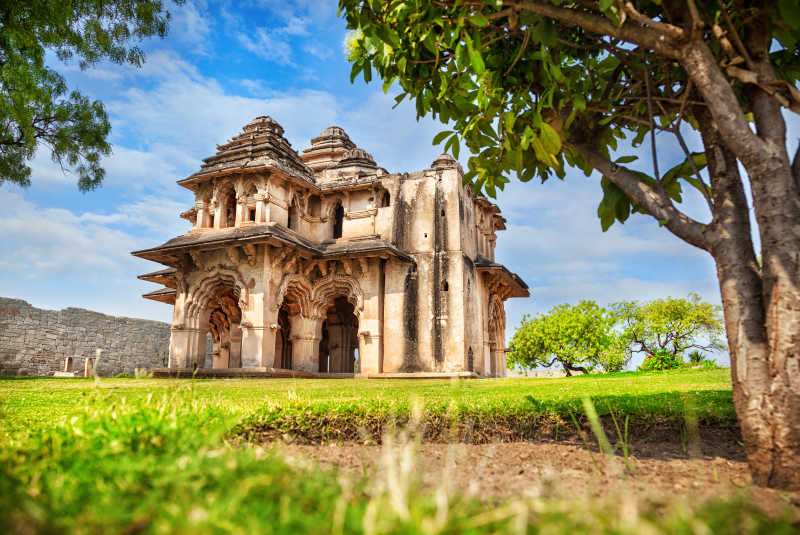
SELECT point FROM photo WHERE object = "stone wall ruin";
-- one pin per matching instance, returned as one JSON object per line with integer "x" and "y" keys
{"x": 37, "y": 342}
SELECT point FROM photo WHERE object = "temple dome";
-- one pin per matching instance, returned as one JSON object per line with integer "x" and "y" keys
{"x": 327, "y": 149}
{"x": 263, "y": 123}
{"x": 260, "y": 144}
{"x": 331, "y": 131}
{"x": 358, "y": 156}
{"x": 444, "y": 160}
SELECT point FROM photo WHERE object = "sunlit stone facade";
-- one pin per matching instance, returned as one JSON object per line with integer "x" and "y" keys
{"x": 326, "y": 263}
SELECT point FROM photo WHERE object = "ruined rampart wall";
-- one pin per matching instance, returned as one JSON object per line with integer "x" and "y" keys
{"x": 36, "y": 342}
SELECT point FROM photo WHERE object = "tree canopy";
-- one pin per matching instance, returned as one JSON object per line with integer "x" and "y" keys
{"x": 672, "y": 325}
{"x": 36, "y": 106}
{"x": 533, "y": 86}
{"x": 577, "y": 337}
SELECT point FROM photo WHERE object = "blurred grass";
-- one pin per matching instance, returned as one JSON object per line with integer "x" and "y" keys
{"x": 151, "y": 456}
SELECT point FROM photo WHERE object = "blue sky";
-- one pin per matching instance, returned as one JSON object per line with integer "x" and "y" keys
{"x": 226, "y": 63}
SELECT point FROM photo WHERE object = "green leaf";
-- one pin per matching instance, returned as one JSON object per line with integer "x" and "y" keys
{"x": 579, "y": 102}
{"x": 357, "y": 66}
{"x": 509, "y": 118}
{"x": 479, "y": 20}
{"x": 441, "y": 136}
{"x": 477, "y": 61}
{"x": 626, "y": 159}
{"x": 550, "y": 139}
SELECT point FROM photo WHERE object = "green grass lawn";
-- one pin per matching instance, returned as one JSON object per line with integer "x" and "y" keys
{"x": 157, "y": 456}
{"x": 36, "y": 402}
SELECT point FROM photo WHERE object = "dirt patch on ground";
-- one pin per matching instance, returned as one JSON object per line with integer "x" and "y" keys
{"x": 659, "y": 472}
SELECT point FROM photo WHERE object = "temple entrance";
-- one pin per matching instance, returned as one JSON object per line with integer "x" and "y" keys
{"x": 224, "y": 318}
{"x": 338, "y": 348}
{"x": 283, "y": 342}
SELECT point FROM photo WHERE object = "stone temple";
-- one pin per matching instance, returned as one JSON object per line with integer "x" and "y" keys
{"x": 325, "y": 263}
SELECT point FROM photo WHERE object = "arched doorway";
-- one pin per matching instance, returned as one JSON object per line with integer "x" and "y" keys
{"x": 283, "y": 342}
{"x": 338, "y": 348}
{"x": 224, "y": 319}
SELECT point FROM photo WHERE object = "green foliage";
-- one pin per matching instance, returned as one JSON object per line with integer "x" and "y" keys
{"x": 662, "y": 359}
{"x": 697, "y": 357}
{"x": 578, "y": 337}
{"x": 673, "y": 325}
{"x": 36, "y": 107}
{"x": 523, "y": 91}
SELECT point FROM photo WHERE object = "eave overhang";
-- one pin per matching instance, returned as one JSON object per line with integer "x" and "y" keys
{"x": 171, "y": 252}
{"x": 162, "y": 276}
{"x": 515, "y": 283}
{"x": 164, "y": 295}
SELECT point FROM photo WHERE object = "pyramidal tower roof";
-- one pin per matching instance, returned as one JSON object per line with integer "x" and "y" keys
{"x": 327, "y": 149}
{"x": 260, "y": 145}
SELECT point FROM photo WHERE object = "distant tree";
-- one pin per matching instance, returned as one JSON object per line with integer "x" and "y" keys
{"x": 670, "y": 325}
{"x": 577, "y": 337}
{"x": 534, "y": 86}
{"x": 36, "y": 107}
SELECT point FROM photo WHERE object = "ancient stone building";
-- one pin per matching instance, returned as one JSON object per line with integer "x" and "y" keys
{"x": 326, "y": 263}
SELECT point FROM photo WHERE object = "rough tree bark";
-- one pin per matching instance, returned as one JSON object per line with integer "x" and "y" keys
{"x": 764, "y": 366}
{"x": 762, "y": 305}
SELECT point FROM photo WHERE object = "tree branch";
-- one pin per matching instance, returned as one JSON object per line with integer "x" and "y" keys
{"x": 654, "y": 201}
{"x": 796, "y": 167}
{"x": 665, "y": 44}
{"x": 718, "y": 95}
{"x": 673, "y": 32}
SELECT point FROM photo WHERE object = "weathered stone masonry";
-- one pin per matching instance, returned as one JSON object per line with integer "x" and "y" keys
{"x": 36, "y": 342}
{"x": 327, "y": 263}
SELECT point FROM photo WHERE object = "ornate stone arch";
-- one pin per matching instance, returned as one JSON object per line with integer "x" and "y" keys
{"x": 497, "y": 329}
{"x": 201, "y": 291}
{"x": 497, "y": 315}
{"x": 297, "y": 289}
{"x": 333, "y": 285}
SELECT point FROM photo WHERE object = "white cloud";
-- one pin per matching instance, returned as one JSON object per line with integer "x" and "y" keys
{"x": 191, "y": 23}
{"x": 273, "y": 44}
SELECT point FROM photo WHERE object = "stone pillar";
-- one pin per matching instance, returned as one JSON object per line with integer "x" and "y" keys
{"x": 197, "y": 348}
{"x": 202, "y": 215}
{"x": 336, "y": 345}
{"x": 222, "y": 359}
{"x": 88, "y": 367}
{"x": 306, "y": 335}
{"x": 218, "y": 214}
{"x": 236, "y": 347}
{"x": 258, "y": 346}
{"x": 368, "y": 352}
{"x": 239, "y": 213}
{"x": 68, "y": 364}
{"x": 179, "y": 347}
{"x": 260, "y": 209}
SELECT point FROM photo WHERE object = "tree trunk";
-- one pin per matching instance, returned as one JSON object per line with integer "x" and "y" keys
{"x": 764, "y": 361}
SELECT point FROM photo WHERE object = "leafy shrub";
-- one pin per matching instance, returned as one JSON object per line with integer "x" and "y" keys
{"x": 123, "y": 375}
{"x": 696, "y": 357}
{"x": 662, "y": 360}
